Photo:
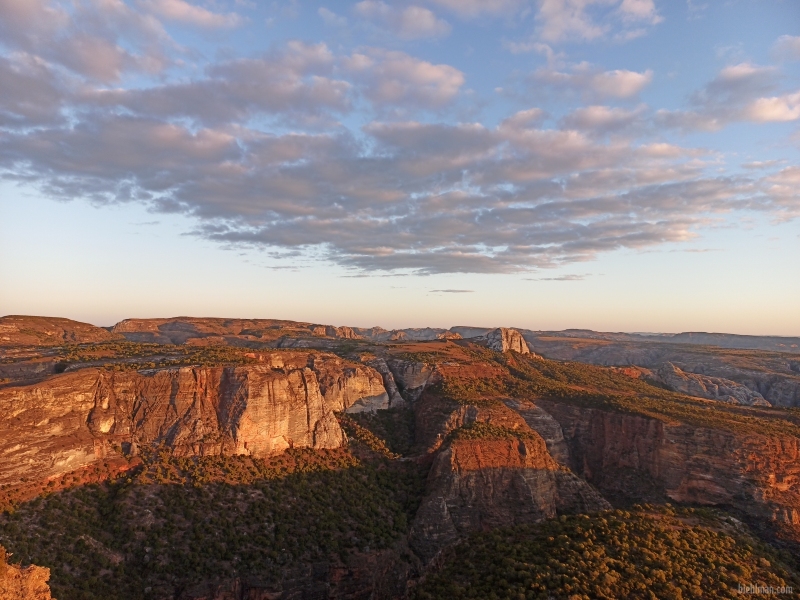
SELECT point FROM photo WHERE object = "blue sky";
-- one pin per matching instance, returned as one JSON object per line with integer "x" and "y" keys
{"x": 612, "y": 164}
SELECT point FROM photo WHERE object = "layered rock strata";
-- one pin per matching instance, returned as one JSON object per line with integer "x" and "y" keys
{"x": 636, "y": 457}
{"x": 74, "y": 419}
{"x": 476, "y": 485}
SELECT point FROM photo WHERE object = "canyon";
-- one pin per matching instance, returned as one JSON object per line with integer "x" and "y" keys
{"x": 471, "y": 429}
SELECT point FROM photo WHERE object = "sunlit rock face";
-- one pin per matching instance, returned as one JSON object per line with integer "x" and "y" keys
{"x": 75, "y": 419}
{"x": 503, "y": 339}
{"x": 477, "y": 485}
{"x": 645, "y": 458}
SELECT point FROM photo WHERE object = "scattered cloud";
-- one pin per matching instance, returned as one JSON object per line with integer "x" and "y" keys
{"x": 317, "y": 154}
{"x": 762, "y": 164}
{"x": 470, "y": 9}
{"x": 787, "y": 47}
{"x": 190, "y": 14}
{"x": 737, "y": 93}
{"x": 408, "y": 23}
{"x": 390, "y": 77}
{"x": 591, "y": 82}
{"x": 587, "y": 20}
{"x": 117, "y": 39}
{"x": 605, "y": 119}
{"x": 453, "y": 291}
{"x": 331, "y": 18}
{"x": 561, "y": 278}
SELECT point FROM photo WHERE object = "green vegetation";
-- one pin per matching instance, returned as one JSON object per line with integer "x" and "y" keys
{"x": 487, "y": 431}
{"x": 395, "y": 426}
{"x": 212, "y": 518}
{"x": 663, "y": 554}
{"x": 592, "y": 386}
{"x": 362, "y": 435}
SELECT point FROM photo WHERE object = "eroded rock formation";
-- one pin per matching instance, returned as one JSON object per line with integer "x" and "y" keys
{"x": 74, "y": 419}
{"x": 702, "y": 386}
{"x": 641, "y": 458}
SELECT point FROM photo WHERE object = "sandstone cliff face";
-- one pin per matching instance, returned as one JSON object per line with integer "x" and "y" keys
{"x": 545, "y": 425}
{"x": 354, "y": 388}
{"x": 476, "y": 485}
{"x": 411, "y": 377}
{"x": 17, "y": 330}
{"x": 74, "y": 419}
{"x": 636, "y": 457}
{"x": 713, "y": 388}
{"x": 395, "y": 398}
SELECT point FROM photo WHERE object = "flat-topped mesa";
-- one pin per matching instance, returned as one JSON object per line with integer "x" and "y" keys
{"x": 20, "y": 330}
{"x": 504, "y": 339}
{"x": 73, "y": 420}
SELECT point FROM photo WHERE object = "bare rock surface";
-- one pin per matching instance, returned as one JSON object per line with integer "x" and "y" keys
{"x": 775, "y": 376}
{"x": 71, "y": 420}
{"x": 477, "y": 485}
{"x": 395, "y": 398}
{"x": 643, "y": 458}
{"x": 411, "y": 376}
{"x": 504, "y": 339}
{"x": 545, "y": 425}
{"x": 18, "y": 330}
{"x": 713, "y": 388}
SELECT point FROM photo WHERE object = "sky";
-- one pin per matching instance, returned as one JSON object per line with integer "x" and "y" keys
{"x": 619, "y": 165}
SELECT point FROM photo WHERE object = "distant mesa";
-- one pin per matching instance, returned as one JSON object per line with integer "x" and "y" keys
{"x": 20, "y": 330}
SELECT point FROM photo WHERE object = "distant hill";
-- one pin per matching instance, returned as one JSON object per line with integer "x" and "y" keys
{"x": 22, "y": 330}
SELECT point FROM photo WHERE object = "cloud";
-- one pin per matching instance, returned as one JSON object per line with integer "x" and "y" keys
{"x": 787, "y": 47}
{"x": 395, "y": 78}
{"x": 475, "y": 8}
{"x": 408, "y": 23}
{"x": 33, "y": 93}
{"x": 331, "y": 18}
{"x": 737, "y": 93}
{"x": 98, "y": 39}
{"x": 561, "y": 278}
{"x": 774, "y": 109}
{"x": 184, "y": 12}
{"x": 591, "y": 82}
{"x": 453, "y": 291}
{"x": 604, "y": 119}
{"x": 411, "y": 197}
{"x": 588, "y": 20}
{"x": 293, "y": 82}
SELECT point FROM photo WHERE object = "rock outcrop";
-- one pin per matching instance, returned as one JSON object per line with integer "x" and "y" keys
{"x": 702, "y": 386}
{"x": 640, "y": 458}
{"x": 480, "y": 484}
{"x": 503, "y": 339}
{"x": 395, "y": 398}
{"x": 349, "y": 387}
{"x": 411, "y": 376}
{"x": 22, "y": 583}
{"x": 18, "y": 330}
{"x": 72, "y": 420}
{"x": 771, "y": 375}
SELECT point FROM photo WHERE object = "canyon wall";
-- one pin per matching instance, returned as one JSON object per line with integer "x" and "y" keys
{"x": 71, "y": 420}
{"x": 639, "y": 458}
